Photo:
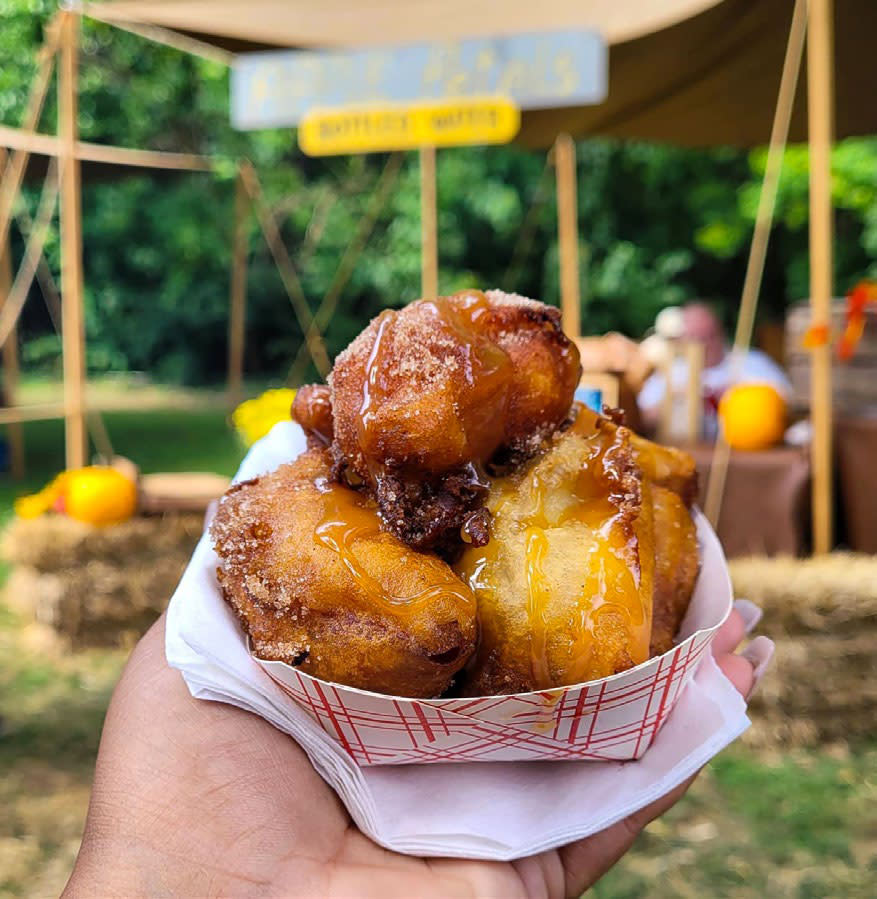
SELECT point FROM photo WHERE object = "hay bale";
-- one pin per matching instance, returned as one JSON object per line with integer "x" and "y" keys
{"x": 97, "y": 587}
{"x": 822, "y": 614}
{"x": 827, "y": 594}
{"x": 57, "y": 543}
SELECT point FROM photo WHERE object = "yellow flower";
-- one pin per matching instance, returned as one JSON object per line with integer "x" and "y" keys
{"x": 38, "y": 503}
{"x": 253, "y": 419}
{"x": 95, "y": 495}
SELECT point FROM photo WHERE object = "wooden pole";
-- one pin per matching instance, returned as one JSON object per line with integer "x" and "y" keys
{"x": 668, "y": 400}
{"x": 27, "y": 142}
{"x": 271, "y": 233}
{"x": 11, "y": 369}
{"x": 820, "y": 90}
{"x": 428, "y": 225}
{"x": 13, "y": 174}
{"x": 366, "y": 225}
{"x": 33, "y": 250}
{"x": 238, "y": 294}
{"x": 760, "y": 236}
{"x": 568, "y": 234}
{"x": 73, "y": 330}
{"x": 694, "y": 352}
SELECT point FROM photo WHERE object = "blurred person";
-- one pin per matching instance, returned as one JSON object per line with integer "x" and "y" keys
{"x": 195, "y": 798}
{"x": 699, "y": 322}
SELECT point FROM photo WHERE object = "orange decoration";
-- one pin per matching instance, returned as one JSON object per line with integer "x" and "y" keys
{"x": 858, "y": 299}
{"x": 816, "y": 336}
{"x": 753, "y": 416}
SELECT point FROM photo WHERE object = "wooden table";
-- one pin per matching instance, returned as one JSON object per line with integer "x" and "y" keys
{"x": 856, "y": 443}
{"x": 766, "y": 501}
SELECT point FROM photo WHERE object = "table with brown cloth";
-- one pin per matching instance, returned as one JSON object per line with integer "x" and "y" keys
{"x": 856, "y": 454}
{"x": 764, "y": 509}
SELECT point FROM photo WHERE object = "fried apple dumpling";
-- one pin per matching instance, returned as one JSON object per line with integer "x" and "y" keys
{"x": 665, "y": 466}
{"x": 564, "y": 586}
{"x": 676, "y": 567}
{"x": 428, "y": 394}
{"x": 317, "y": 584}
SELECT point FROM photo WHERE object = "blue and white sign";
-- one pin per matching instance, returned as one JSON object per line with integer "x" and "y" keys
{"x": 536, "y": 71}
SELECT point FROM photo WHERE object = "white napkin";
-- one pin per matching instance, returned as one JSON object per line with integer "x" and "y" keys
{"x": 496, "y": 810}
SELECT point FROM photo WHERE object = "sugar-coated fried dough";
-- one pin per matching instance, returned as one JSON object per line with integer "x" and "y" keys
{"x": 317, "y": 584}
{"x": 665, "y": 466}
{"x": 564, "y": 587}
{"x": 676, "y": 567}
{"x": 429, "y": 393}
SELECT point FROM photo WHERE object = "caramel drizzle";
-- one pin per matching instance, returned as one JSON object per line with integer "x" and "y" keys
{"x": 603, "y": 590}
{"x": 537, "y": 603}
{"x": 346, "y": 519}
{"x": 485, "y": 365}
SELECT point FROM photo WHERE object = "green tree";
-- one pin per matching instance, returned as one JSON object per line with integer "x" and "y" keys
{"x": 658, "y": 224}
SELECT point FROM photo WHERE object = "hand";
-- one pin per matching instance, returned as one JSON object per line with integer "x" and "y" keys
{"x": 196, "y": 798}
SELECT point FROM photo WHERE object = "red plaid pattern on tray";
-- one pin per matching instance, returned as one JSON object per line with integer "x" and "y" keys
{"x": 614, "y": 718}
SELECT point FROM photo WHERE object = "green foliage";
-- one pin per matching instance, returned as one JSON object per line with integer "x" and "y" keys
{"x": 658, "y": 224}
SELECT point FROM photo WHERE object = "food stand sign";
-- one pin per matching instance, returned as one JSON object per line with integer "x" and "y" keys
{"x": 453, "y": 123}
{"x": 445, "y": 94}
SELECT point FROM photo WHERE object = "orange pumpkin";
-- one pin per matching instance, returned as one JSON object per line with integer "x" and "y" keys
{"x": 753, "y": 416}
{"x": 99, "y": 496}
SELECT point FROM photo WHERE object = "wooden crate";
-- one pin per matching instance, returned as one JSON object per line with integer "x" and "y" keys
{"x": 854, "y": 382}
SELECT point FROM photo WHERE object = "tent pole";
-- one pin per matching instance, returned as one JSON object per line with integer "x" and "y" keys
{"x": 428, "y": 225}
{"x": 568, "y": 234}
{"x": 11, "y": 368}
{"x": 238, "y": 294}
{"x": 820, "y": 90}
{"x": 694, "y": 353}
{"x": 73, "y": 332}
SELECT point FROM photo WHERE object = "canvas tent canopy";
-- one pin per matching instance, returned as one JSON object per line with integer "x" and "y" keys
{"x": 689, "y": 72}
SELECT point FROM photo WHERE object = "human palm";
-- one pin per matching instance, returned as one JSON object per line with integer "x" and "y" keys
{"x": 197, "y": 798}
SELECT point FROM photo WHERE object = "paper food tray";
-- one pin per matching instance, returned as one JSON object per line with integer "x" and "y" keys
{"x": 616, "y": 717}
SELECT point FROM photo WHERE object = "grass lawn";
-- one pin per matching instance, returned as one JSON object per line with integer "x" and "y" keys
{"x": 800, "y": 824}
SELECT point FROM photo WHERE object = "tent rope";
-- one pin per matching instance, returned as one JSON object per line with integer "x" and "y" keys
{"x": 760, "y": 237}
{"x": 292, "y": 284}
{"x": 351, "y": 256}
{"x": 13, "y": 175}
{"x": 524, "y": 243}
{"x": 33, "y": 251}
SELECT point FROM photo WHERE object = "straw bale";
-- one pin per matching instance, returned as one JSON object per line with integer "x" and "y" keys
{"x": 97, "y": 587}
{"x": 831, "y": 594}
{"x": 822, "y": 689}
{"x": 56, "y": 543}
{"x": 822, "y": 614}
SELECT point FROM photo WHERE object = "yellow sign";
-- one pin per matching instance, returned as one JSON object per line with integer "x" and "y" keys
{"x": 372, "y": 129}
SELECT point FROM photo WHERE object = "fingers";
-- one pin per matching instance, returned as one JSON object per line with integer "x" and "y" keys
{"x": 739, "y": 671}
{"x": 750, "y": 613}
{"x": 729, "y": 635}
{"x": 759, "y": 653}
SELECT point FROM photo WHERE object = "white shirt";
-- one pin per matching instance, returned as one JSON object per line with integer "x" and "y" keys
{"x": 754, "y": 366}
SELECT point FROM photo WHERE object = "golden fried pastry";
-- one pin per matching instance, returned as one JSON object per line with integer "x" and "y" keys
{"x": 316, "y": 583}
{"x": 428, "y": 394}
{"x": 676, "y": 567}
{"x": 665, "y": 466}
{"x": 564, "y": 586}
